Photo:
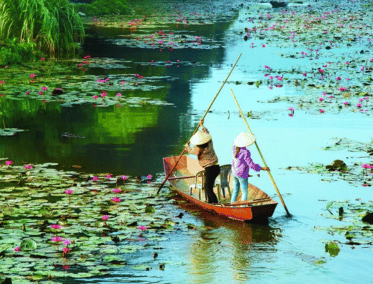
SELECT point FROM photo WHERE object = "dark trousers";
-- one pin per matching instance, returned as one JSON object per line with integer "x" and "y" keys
{"x": 210, "y": 175}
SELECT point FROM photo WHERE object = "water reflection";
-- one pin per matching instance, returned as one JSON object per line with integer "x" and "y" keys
{"x": 128, "y": 140}
{"x": 227, "y": 250}
{"x": 118, "y": 140}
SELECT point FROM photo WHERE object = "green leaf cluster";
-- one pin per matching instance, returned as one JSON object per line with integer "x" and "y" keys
{"x": 15, "y": 52}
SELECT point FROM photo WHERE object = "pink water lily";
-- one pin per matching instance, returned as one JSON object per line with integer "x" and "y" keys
{"x": 66, "y": 242}
{"x": 321, "y": 110}
{"x": 108, "y": 176}
{"x": 66, "y": 250}
{"x": 124, "y": 177}
{"x": 28, "y": 167}
{"x": 142, "y": 228}
{"x": 149, "y": 176}
{"x": 95, "y": 178}
{"x": 116, "y": 199}
{"x": 105, "y": 217}
{"x": 56, "y": 226}
{"x": 17, "y": 249}
{"x": 57, "y": 239}
{"x": 69, "y": 191}
{"x": 117, "y": 190}
{"x": 8, "y": 163}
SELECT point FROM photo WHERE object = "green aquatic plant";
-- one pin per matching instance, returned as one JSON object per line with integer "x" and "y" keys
{"x": 74, "y": 231}
{"x": 332, "y": 248}
{"x": 52, "y": 25}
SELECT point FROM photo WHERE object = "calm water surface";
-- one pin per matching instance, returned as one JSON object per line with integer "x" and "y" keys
{"x": 132, "y": 141}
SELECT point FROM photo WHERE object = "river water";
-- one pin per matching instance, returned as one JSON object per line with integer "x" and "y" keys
{"x": 133, "y": 141}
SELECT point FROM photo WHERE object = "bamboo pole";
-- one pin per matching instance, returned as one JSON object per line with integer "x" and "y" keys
{"x": 260, "y": 153}
{"x": 203, "y": 117}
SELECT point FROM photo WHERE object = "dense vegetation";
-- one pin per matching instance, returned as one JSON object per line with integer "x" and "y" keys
{"x": 29, "y": 26}
{"x": 102, "y": 7}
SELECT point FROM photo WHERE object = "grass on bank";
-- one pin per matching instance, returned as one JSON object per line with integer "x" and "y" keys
{"x": 27, "y": 27}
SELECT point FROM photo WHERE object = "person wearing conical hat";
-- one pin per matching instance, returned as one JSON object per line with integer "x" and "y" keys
{"x": 241, "y": 163}
{"x": 207, "y": 158}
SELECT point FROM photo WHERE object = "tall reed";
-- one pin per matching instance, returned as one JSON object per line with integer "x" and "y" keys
{"x": 53, "y": 25}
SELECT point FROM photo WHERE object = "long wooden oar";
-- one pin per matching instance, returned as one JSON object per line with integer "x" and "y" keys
{"x": 182, "y": 153}
{"x": 260, "y": 153}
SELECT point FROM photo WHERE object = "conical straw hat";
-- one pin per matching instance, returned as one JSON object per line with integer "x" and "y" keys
{"x": 200, "y": 138}
{"x": 244, "y": 140}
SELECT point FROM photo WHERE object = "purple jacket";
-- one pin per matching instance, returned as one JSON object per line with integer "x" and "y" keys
{"x": 243, "y": 162}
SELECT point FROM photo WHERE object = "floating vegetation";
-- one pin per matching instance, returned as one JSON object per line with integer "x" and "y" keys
{"x": 351, "y": 215}
{"x": 170, "y": 40}
{"x": 359, "y": 173}
{"x": 10, "y": 131}
{"x": 73, "y": 84}
{"x": 76, "y": 221}
{"x": 327, "y": 66}
{"x": 351, "y": 145}
{"x": 157, "y": 14}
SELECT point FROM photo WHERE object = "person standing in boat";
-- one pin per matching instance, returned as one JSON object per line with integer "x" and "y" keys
{"x": 207, "y": 159}
{"x": 241, "y": 163}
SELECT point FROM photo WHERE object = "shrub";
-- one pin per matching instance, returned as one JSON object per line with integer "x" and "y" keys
{"x": 14, "y": 52}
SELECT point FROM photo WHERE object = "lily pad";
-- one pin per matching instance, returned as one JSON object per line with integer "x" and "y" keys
{"x": 28, "y": 245}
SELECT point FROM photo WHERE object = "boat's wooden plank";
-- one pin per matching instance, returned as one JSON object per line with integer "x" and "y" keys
{"x": 182, "y": 177}
{"x": 247, "y": 202}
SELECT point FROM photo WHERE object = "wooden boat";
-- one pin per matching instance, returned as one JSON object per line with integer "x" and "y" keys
{"x": 187, "y": 180}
